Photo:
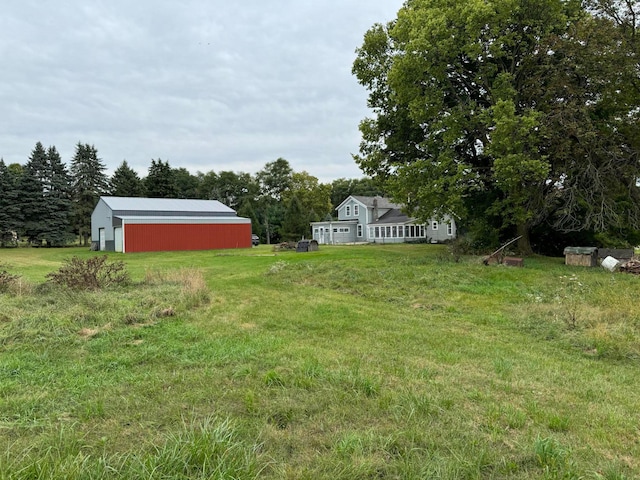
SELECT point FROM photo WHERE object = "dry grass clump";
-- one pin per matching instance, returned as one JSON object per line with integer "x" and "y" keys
{"x": 193, "y": 286}
{"x": 13, "y": 284}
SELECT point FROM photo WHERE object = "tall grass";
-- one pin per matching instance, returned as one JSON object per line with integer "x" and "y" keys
{"x": 209, "y": 449}
{"x": 351, "y": 362}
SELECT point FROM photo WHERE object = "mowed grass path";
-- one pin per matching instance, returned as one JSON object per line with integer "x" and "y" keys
{"x": 351, "y": 362}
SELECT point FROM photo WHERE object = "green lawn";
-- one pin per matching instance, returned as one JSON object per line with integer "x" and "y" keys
{"x": 350, "y": 362}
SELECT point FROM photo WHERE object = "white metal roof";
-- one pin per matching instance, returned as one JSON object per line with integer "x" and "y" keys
{"x": 166, "y": 205}
{"x": 129, "y": 219}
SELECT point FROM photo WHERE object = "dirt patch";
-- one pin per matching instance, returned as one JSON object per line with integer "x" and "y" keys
{"x": 88, "y": 333}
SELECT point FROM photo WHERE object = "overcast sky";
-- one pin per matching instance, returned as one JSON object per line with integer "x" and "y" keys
{"x": 205, "y": 84}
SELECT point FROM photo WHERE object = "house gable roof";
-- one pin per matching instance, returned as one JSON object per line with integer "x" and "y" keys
{"x": 394, "y": 215}
{"x": 368, "y": 202}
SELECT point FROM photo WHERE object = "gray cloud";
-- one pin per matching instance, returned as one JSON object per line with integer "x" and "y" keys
{"x": 207, "y": 85}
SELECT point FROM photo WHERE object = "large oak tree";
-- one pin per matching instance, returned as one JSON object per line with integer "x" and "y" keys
{"x": 521, "y": 110}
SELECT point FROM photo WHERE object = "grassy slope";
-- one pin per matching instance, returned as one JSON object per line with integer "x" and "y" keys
{"x": 350, "y": 362}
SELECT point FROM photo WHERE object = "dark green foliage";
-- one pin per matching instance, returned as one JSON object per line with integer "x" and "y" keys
{"x": 343, "y": 187}
{"x": 93, "y": 273}
{"x": 233, "y": 188}
{"x": 57, "y": 194}
{"x": 31, "y": 200}
{"x": 10, "y": 215}
{"x": 528, "y": 108}
{"x": 160, "y": 181}
{"x": 246, "y": 210}
{"x": 125, "y": 182}
{"x": 295, "y": 224}
{"x": 186, "y": 184}
{"x": 89, "y": 182}
{"x": 275, "y": 178}
{"x": 314, "y": 197}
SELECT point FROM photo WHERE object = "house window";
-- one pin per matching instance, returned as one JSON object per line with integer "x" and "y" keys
{"x": 394, "y": 231}
{"x": 347, "y": 210}
{"x": 359, "y": 229}
{"x": 388, "y": 231}
{"x": 315, "y": 230}
{"x": 344, "y": 229}
{"x": 356, "y": 210}
{"x": 371, "y": 232}
{"x": 449, "y": 229}
{"x": 377, "y": 232}
{"x": 434, "y": 225}
{"x": 335, "y": 230}
{"x": 422, "y": 231}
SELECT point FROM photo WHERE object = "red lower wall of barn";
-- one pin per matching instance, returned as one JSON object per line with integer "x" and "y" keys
{"x": 168, "y": 237}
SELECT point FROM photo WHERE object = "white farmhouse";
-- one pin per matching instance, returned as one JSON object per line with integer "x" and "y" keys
{"x": 376, "y": 219}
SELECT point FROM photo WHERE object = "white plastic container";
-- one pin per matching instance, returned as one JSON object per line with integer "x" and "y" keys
{"x": 610, "y": 264}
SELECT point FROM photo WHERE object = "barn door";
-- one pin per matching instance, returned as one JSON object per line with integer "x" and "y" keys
{"x": 103, "y": 239}
{"x": 117, "y": 237}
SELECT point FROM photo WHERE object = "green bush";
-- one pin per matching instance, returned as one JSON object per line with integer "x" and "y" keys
{"x": 94, "y": 273}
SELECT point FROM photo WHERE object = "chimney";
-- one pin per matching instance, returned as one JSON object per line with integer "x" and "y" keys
{"x": 375, "y": 209}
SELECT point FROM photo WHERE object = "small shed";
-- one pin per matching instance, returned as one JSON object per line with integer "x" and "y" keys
{"x": 133, "y": 224}
{"x": 581, "y": 256}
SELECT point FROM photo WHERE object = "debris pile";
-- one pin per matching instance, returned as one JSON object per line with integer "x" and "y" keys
{"x": 632, "y": 266}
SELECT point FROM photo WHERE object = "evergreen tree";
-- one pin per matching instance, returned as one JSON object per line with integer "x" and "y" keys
{"x": 57, "y": 193}
{"x": 160, "y": 181}
{"x": 125, "y": 182}
{"x": 31, "y": 201}
{"x": 295, "y": 223}
{"x": 10, "y": 215}
{"x": 89, "y": 182}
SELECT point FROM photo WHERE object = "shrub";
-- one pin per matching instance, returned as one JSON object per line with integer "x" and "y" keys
{"x": 7, "y": 280}
{"x": 94, "y": 273}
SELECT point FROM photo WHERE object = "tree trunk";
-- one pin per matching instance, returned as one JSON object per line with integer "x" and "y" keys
{"x": 266, "y": 226}
{"x": 524, "y": 243}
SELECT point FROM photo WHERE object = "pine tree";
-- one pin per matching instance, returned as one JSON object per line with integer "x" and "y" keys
{"x": 160, "y": 182}
{"x": 296, "y": 221}
{"x": 125, "y": 182}
{"x": 89, "y": 182}
{"x": 31, "y": 200}
{"x": 10, "y": 216}
{"x": 57, "y": 193}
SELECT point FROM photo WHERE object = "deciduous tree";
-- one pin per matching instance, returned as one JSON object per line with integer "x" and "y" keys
{"x": 522, "y": 106}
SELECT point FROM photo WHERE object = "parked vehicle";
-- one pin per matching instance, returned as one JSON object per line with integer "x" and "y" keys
{"x": 255, "y": 240}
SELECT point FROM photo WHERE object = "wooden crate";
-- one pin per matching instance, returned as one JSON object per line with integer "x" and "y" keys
{"x": 581, "y": 256}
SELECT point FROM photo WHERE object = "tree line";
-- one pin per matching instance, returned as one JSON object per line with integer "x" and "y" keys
{"x": 517, "y": 117}
{"x": 47, "y": 203}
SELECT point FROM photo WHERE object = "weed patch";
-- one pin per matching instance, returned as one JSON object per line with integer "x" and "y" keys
{"x": 93, "y": 273}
